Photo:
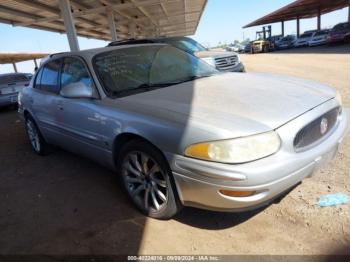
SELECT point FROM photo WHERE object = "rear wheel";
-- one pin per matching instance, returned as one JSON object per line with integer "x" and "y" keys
{"x": 148, "y": 180}
{"x": 37, "y": 141}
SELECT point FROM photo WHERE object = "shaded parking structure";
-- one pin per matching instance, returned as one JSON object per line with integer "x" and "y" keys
{"x": 301, "y": 9}
{"x": 105, "y": 19}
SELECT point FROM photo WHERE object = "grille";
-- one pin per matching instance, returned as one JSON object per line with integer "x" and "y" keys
{"x": 226, "y": 63}
{"x": 316, "y": 130}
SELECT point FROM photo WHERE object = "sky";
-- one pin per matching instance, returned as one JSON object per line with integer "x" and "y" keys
{"x": 221, "y": 22}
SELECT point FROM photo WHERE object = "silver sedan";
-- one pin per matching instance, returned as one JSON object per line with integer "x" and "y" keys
{"x": 178, "y": 132}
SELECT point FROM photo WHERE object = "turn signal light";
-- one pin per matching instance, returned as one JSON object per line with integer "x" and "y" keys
{"x": 237, "y": 193}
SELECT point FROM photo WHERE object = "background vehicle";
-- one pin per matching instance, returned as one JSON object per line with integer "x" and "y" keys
{"x": 339, "y": 33}
{"x": 221, "y": 60}
{"x": 247, "y": 48}
{"x": 238, "y": 48}
{"x": 319, "y": 38}
{"x": 286, "y": 42}
{"x": 263, "y": 42}
{"x": 304, "y": 39}
{"x": 10, "y": 85}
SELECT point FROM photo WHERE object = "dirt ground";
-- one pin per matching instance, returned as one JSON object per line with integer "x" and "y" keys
{"x": 64, "y": 204}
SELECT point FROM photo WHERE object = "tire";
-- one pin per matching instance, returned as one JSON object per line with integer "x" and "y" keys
{"x": 148, "y": 180}
{"x": 36, "y": 140}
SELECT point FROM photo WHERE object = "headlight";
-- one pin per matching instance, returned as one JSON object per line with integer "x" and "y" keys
{"x": 210, "y": 61}
{"x": 239, "y": 150}
{"x": 339, "y": 99}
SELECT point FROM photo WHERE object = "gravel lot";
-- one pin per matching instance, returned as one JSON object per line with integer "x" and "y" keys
{"x": 64, "y": 204}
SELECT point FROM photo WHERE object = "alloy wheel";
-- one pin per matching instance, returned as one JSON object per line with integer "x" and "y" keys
{"x": 33, "y": 135}
{"x": 145, "y": 181}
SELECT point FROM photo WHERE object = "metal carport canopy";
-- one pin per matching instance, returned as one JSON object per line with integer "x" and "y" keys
{"x": 105, "y": 19}
{"x": 301, "y": 9}
{"x": 13, "y": 58}
{"x": 8, "y": 58}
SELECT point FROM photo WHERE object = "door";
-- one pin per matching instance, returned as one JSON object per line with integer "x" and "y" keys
{"x": 81, "y": 121}
{"x": 45, "y": 91}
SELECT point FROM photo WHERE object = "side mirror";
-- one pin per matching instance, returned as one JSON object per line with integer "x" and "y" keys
{"x": 77, "y": 90}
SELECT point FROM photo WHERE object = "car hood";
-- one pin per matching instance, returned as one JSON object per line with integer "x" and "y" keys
{"x": 243, "y": 104}
{"x": 215, "y": 54}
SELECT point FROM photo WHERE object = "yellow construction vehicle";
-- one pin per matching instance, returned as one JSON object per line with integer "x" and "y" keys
{"x": 262, "y": 44}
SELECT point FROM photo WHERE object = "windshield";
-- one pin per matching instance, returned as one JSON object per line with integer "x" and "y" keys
{"x": 306, "y": 35}
{"x": 341, "y": 26}
{"x": 132, "y": 70}
{"x": 321, "y": 33}
{"x": 186, "y": 44}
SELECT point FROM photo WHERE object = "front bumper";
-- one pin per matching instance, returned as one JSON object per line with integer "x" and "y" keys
{"x": 8, "y": 99}
{"x": 198, "y": 182}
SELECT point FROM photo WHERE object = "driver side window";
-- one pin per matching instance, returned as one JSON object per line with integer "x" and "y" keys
{"x": 74, "y": 71}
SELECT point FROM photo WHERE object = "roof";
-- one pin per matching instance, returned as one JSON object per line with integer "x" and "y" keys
{"x": 300, "y": 9}
{"x": 7, "y": 58}
{"x": 151, "y": 17}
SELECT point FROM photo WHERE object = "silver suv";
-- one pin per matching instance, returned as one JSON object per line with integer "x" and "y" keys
{"x": 10, "y": 85}
{"x": 180, "y": 133}
{"x": 221, "y": 60}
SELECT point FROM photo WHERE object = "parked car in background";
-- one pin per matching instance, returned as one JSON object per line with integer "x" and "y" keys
{"x": 319, "y": 38}
{"x": 339, "y": 33}
{"x": 10, "y": 85}
{"x": 286, "y": 42}
{"x": 238, "y": 48}
{"x": 247, "y": 48}
{"x": 221, "y": 60}
{"x": 180, "y": 133}
{"x": 304, "y": 39}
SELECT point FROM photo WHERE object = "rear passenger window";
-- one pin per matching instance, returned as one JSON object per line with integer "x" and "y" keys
{"x": 74, "y": 71}
{"x": 49, "y": 78}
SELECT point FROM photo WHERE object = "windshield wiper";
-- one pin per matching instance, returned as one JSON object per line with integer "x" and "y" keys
{"x": 140, "y": 88}
{"x": 191, "y": 78}
{"x": 149, "y": 87}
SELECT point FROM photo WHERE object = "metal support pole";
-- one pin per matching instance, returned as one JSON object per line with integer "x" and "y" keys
{"x": 14, "y": 67}
{"x": 69, "y": 25}
{"x": 132, "y": 30}
{"x": 282, "y": 29}
{"x": 112, "y": 26}
{"x": 298, "y": 27}
{"x": 35, "y": 63}
{"x": 319, "y": 20}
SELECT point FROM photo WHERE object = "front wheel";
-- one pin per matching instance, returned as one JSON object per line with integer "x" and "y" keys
{"x": 148, "y": 180}
{"x": 37, "y": 141}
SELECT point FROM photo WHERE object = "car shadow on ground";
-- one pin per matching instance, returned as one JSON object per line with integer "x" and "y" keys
{"x": 214, "y": 220}
{"x": 60, "y": 203}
